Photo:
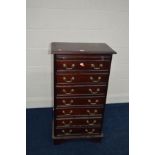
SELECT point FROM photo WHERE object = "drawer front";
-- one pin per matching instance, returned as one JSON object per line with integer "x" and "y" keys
{"x": 78, "y": 122}
{"x": 77, "y": 131}
{"x": 82, "y": 78}
{"x": 81, "y": 90}
{"x": 105, "y": 57}
{"x": 80, "y": 101}
{"x": 69, "y": 112}
{"x": 80, "y": 93}
{"x": 82, "y": 65}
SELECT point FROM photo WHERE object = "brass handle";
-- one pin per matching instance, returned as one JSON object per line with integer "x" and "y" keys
{"x": 71, "y": 91}
{"x": 67, "y": 133}
{"x": 82, "y": 64}
{"x": 93, "y": 80}
{"x": 69, "y": 68}
{"x": 71, "y": 80}
{"x": 94, "y": 92}
{"x": 94, "y": 67}
{"x": 92, "y": 113}
{"x": 67, "y": 124}
{"x": 90, "y": 132}
{"x": 93, "y": 103}
{"x": 92, "y": 123}
{"x": 70, "y": 112}
{"x": 64, "y": 102}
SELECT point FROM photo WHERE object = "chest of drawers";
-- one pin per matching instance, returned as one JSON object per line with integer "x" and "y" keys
{"x": 81, "y": 75}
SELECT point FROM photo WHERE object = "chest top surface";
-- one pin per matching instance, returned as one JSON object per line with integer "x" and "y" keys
{"x": 80, "y": 48}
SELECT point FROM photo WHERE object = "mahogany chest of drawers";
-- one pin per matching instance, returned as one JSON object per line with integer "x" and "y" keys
{"x": 81, "y": 74}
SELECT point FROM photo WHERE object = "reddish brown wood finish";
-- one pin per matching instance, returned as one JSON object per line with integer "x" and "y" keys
{"x": 70, "y": 122}
{"x": 80, "y": 101}
{"x": 72, "y": 112}
{"x": 105, "y": 57}
{"x": 84, "y": 78}
{"x": 81, "y": 90}
{"x": 81, "y": 48}
{"x": 81, "y": 75}
{"x": 83, "y": 65}
{"x": 77, "y": 131}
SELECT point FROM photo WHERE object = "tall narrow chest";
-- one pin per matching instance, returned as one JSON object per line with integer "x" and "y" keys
{"x": 81, "y": 76}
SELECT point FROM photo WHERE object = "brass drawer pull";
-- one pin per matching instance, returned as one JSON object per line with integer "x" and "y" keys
{"x": 71, "y": 91}
{"x": 67, "y": 133}
{"x": 94, "y": 92}
{"x": 94, "y": 67}
{"x": 90, "y": 132}
{"x": 92, "y": 123}
{"x": 71, "y": 80}
{"x": 69, "y": 103}
{"x": 82, "y": 64}
{"x": 69, "y": 68}
{"x": 70, "y": 112}
{"x": 67, "y": 124}
{"x": 93, "y": 103}
{"x": 93, "y": 80}
{"x": 92, "y": 113}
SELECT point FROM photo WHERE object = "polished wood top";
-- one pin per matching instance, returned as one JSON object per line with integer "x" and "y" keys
{"x": 80, "y": 48}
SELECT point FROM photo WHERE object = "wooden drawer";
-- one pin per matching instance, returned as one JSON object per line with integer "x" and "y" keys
{"x": 81, "y": 111}
{"x": 80, "y": 101}
{"x": 78, "y": 122}
{"x": 81, "y": 90}
{"x": 105, "y": 57}
{"x": 82, "y": 78}
{"x": 77, "y": 131}
{"x": 82, "y": 65}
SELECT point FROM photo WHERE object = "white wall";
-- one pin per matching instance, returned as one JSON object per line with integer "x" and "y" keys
{"x": 75, "y": 21}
